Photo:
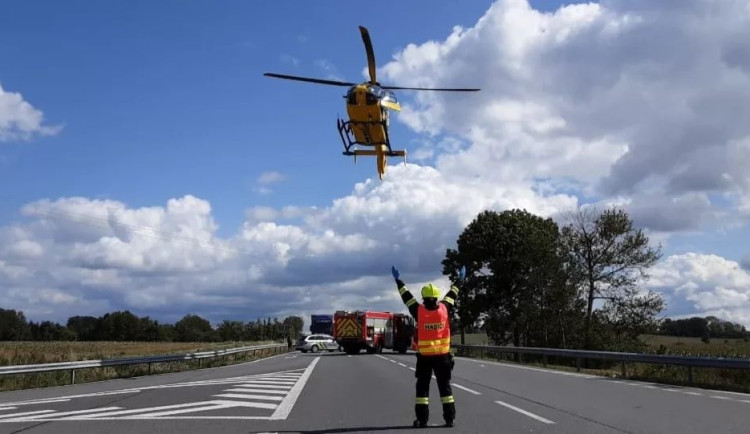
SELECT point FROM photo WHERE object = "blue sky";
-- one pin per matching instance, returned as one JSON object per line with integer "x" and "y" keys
{"x": 161, "y": 99}
{"x": 149, "y": 102}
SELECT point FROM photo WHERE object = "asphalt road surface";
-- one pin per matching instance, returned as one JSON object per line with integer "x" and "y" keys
{"x": 337, "y": 393}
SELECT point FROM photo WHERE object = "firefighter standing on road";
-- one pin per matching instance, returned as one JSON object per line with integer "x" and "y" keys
{"x": 433, "y": 346}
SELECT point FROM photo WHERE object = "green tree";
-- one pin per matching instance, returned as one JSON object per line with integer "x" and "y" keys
{"x": 84, "y": 327}
{"x": 514, "y": 275}
{"x": 231, "y": 331}
{"x": 119, "y": 326}
{"x": 606, "y": 257}
{"x": 192, "y": 328}
{"x": 13, "y": 326}
{"x": 293, "y": 326}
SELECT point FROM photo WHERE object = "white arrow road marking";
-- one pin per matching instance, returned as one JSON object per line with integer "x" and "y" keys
{"x": 25, "y": 413}
{"x": 282, "y": 412}
{"x": 243, "y": 396}
{"x": 247, "y": 390}
{"x": 64, "y": 413}
{"x": 277, "y": 391}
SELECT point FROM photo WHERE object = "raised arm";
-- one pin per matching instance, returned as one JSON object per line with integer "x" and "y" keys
{"x": 406, "y": 296}
{"x": 450, "y": 298}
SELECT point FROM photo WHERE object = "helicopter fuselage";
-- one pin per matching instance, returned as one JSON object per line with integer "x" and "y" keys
{"x": 367, "y": 106}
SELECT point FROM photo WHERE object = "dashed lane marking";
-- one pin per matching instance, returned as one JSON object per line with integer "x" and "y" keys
{"x": 466, "y": 389}
{"x": 433, "y": 377}
{"x": 527, "y": 413}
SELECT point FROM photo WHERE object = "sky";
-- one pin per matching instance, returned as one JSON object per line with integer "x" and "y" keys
{"x": 146, "y": 164}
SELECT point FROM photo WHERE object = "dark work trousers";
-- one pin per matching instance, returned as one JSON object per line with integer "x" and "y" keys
{"x": 441, "y": 365}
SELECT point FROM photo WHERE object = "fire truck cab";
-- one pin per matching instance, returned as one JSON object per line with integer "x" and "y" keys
{"x": 372, "y": 331}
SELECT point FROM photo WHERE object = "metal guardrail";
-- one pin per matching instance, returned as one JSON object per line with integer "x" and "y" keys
{"x": 660, "y": 359}
{"x": 86, "y": 364}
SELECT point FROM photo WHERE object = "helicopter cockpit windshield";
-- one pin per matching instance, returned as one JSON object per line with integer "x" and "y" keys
{"x": 388, "y": 100}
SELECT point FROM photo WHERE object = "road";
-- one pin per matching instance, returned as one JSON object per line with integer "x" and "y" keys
{"x": 338, "y": 393}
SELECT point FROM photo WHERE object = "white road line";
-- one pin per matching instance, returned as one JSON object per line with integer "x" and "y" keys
{"x": 250, "y": 404}
{"x": 413, "y": 369}
{"x": 720, "y": 397}
{"x": 746, "y": 395}
{"x": 672, "y": 390}
{"x": 263, "y": 386}
{"x": 575, "y": 374}
{"x": 282, "y": 412}
{"x": 25, "y": 413}
{"x": 37, "y": 401}
{"x": 401, "y": 364}
{"x": 162, "y": 386}
{"x": 744, "y": 400}
{"x": 170, "y": 410}
{"x": 245, "y": 390}
{"x": 64, "y": 413}
{"x": 147, "y": 417}
{"x": 245, "y": 396}
{"x": 210, "y": 406}
{"x": 7, "y": 408}
{"x": 509, "y": 365}
{"x": 527, "y": 413}
{"x": 466, "y": 389}
{"x": 139, "y": 410}
{"x": 67, "y": 398}
{"x": 276, "y": 382}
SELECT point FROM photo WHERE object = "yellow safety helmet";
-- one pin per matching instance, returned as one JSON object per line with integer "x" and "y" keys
{"x": 430, "y": 291}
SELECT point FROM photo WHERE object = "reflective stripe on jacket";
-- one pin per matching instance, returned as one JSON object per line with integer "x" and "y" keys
{"x": 433, "y": 331}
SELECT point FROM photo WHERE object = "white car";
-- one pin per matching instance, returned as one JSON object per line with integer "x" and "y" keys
{"x": 317, "y": 342}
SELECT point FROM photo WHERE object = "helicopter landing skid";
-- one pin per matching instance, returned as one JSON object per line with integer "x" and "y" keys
{"x": 361, "y": 152}
{"x": 345, "y": 131}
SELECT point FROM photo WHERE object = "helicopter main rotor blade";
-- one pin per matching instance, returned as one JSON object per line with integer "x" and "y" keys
{"x": 370, "y": 54}
{"x": 309, "y": 80}
{"x": 430, "y": 88}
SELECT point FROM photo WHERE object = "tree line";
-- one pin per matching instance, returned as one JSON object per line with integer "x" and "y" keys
{"x": 704, "y": 328}
{"x": 531, "y": 282}
{"x": 126, "y": 326}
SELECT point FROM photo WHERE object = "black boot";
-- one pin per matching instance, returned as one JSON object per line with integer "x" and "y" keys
{"x": 419, "y": 423}
{"x": 449, "y": 423}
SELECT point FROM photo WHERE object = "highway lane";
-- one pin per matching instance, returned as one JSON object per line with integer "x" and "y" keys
{"x": 334, "y": 392}
{"x": 575, "y": 402}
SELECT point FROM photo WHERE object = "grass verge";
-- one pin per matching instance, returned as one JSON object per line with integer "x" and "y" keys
{"x": 735, "y": 380}
{"x": 23, "y": 353}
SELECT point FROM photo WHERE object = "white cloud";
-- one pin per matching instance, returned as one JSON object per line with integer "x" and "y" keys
{"x": 270, "y": 178}
{"x": 620, "y": 97}
{"x": 286, "y": 58}
{"x": 266, "y": 179}
{"x": 704, "y": 284}
{"x": 19, "y": 120}
{"x": 330, "y": 70}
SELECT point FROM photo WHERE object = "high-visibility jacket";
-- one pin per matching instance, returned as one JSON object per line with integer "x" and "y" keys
{"x": 433, "y": 331}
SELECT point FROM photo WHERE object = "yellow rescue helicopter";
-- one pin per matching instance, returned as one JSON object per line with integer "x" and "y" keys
{"x": 367, "y": 105}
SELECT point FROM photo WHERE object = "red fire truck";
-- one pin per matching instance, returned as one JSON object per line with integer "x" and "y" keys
{"x": 372, "y": 331}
